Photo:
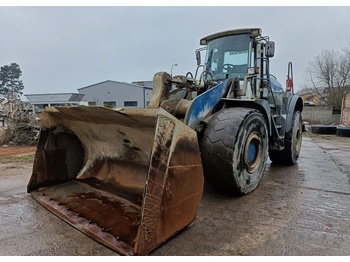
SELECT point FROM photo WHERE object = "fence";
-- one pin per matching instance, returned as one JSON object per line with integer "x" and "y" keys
{"x": 320, "y": 115}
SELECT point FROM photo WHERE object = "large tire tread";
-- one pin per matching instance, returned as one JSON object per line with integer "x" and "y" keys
{"x": 324, "y": 129}
{"x": 218, "y": 144}
{"x": 343, "y": 131}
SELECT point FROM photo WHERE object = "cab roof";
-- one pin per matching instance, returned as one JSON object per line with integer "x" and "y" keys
{"x": 254, "y": 32}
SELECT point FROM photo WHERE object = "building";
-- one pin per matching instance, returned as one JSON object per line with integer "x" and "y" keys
{"x": 148, "y": 84}
{"x": 312, "y": 98}
{"x": 107, "y": 93}
{"x": 40, "y": 101}
{"x": 117, "y": 94}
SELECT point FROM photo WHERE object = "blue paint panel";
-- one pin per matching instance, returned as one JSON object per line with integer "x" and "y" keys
{"x": 276, "y": 86}
{"x": 252, "y": 150}
{"x": 204, "y": 103}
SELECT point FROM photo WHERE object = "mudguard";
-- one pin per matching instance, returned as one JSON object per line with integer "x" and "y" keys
{"x": 203, "y": 104}
{"x": 296, "y": 103}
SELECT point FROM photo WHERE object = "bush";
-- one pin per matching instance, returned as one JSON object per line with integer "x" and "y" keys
{"x": 21, "y": 130}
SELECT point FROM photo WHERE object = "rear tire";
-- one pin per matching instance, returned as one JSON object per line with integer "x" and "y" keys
{"x": 343, "y": 131}
{"x": 234, "y": 149}
{"x": 292, "y": 143}
{"x": 324, "y": 129}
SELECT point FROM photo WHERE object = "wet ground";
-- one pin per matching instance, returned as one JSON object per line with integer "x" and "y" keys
{"x": 296, "y": 210}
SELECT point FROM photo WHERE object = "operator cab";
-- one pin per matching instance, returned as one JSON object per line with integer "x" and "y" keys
{"x": 229, "y": 54}
{"x": 228, "y": 57}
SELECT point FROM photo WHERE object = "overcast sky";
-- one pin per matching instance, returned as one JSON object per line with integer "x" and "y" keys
{"x": 61, "y": 49}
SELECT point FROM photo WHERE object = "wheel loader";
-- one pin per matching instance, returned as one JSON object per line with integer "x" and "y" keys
{"x": 131, "y": 178}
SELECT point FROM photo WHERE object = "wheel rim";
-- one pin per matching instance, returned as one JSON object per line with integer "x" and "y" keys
{"x": 253, "y": 152}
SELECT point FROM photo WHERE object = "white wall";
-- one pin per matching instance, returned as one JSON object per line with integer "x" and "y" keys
{"x": 111, "y": 91}
{"x": 320, "y": 115}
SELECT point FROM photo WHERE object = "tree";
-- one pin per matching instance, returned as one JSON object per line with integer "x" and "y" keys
{"x": 329, "y": 77}
{"x": 10, "y": 84}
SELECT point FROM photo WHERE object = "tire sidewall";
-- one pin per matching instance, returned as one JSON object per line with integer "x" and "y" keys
{"x": 252, "y": 123}
{"x": 296, "y": 128}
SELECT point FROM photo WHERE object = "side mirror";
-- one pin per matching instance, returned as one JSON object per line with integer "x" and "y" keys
{"x": 198, "y": 58}
{"x": 270, "y": 49}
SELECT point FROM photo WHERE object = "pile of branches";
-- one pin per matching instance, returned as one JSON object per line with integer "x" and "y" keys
{"x": 21, "y": 129}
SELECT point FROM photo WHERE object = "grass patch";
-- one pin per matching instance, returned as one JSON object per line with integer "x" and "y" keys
{"x": 24, "y": 158}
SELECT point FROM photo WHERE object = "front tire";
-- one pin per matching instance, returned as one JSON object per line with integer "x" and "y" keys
{"x": 234, "y": 149}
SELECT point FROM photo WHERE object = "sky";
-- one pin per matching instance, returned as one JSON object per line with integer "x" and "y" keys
{"x": 61, "y": 48}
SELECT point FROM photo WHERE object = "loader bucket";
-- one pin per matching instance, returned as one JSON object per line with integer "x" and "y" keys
{"x": 128, "y": 178}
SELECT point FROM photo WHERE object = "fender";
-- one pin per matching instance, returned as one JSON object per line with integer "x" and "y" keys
{"x": 295, "y": 104}
{"x": 203, "y": 104}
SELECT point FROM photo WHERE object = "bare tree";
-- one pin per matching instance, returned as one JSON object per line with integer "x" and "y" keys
{"x": 328, "y": 77}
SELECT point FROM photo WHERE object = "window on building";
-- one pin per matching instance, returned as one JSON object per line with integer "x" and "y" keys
{"x": 130, "y": 103}
{"x": 91, "y": 103}
{"x": 110, "y": 103}
{"x": 42, "y": 106}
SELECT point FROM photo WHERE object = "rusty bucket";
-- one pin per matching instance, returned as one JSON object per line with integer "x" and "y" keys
{"x": 128, "y": 178}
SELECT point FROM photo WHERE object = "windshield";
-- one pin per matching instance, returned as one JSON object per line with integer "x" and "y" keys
{"x": 228, "y": 55}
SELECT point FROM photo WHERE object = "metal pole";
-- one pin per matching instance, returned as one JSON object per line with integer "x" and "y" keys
{"x": 171, "y": 70}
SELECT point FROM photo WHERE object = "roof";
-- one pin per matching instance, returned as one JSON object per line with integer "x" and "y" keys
{"x": 254, "y": 32}
{"x": 54, "y": 97}
{"x": 122, "y": 83}
{"x": 145, "y": 84}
